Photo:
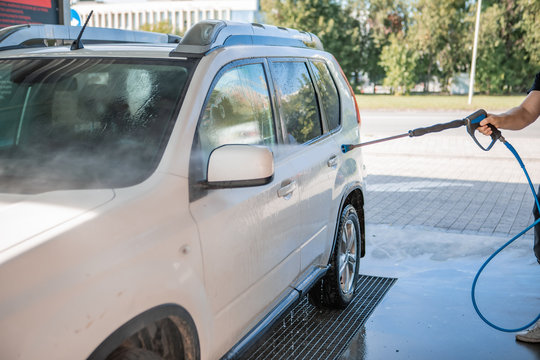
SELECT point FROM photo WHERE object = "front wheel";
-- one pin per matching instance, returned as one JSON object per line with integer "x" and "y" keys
{"x": 171, "y": 338}
{"x": 337, "y": 287}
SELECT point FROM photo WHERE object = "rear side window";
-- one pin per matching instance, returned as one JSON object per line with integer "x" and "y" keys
{"x": 298, "y": 104}
{"x": 238, "y": 111}
{"x": 328, "y": 94}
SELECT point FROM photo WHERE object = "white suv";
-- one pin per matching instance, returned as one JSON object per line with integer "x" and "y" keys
{"x": 171, "y": 200}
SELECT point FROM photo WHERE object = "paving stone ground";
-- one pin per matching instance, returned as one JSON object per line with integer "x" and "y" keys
{"x": 444, "y": 181}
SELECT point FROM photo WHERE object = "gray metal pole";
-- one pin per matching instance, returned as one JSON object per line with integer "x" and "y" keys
{"x": 475, "y": 45}
{"x": 64, "y": 12}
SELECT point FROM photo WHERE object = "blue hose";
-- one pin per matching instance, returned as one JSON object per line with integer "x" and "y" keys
{"x": 473, "y": 288}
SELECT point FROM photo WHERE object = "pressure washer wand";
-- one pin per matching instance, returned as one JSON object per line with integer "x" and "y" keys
{"x": 472, "y": 122}
{"x": 411, "y": 133}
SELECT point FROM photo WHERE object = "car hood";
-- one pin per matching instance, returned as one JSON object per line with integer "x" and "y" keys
{"x": 25, "y": 216}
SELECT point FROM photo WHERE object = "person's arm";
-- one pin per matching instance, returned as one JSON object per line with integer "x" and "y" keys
{"x": 516, "y": 118}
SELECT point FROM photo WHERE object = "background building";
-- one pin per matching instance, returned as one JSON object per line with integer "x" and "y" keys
{"x": 180, "y": 14}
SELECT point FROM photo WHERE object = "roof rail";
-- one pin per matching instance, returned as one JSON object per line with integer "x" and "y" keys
{"x": 20, "y": 36}
{"x": 210, "y": 34}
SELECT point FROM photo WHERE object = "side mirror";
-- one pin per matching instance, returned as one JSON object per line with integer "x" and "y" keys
{"x": 240, "y": 166}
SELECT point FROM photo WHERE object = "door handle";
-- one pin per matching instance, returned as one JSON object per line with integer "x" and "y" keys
{"x": 332, "y": 162}
{"x": 286, "y": 190}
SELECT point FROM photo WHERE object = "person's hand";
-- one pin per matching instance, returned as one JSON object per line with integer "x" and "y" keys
{"x": 490, "y": 119}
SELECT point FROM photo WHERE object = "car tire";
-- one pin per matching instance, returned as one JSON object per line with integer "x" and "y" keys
{"x": 124, "y": 353}
{"x": 162, "y": 340}
{"x": 336, "y": 289}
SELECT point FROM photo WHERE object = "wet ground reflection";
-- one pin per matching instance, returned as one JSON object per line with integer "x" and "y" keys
{"x": 428, "y": 312}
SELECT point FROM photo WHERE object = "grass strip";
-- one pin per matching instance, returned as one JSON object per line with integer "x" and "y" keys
{"x": 438, "y": 102}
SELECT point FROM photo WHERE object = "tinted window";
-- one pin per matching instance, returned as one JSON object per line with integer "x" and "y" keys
{"x": 238, "y": 111}
{"x": 84, "y": 123}
{"x": 298, "y": 104}
{"x": 328, "y": 94}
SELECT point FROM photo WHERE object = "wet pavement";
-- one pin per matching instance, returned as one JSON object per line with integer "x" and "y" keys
{"x": 436, "y": 208}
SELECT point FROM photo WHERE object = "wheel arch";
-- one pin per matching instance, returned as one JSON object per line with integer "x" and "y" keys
{"x": 355, "y": 197}
{"x": 179, "y": 315}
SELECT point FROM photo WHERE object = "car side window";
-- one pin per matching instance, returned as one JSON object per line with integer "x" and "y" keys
{"x": 238, "y": 111}
{"x": 298, "y": 104}
{"x": 328, "y": 94}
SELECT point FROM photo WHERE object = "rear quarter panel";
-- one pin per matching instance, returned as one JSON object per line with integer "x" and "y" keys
{"x": 351, "y": 172}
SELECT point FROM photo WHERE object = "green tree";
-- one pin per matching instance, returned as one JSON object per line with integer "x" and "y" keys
{"x": 507, "y": 53}
{"x": 340, "y": 31}
{"x": 439, "y": 35}
{"x": 398, "y": 58}
{"x": 529, "y": 25}
{"x": 387, "y": 17}
{"x": 384, "y": 18}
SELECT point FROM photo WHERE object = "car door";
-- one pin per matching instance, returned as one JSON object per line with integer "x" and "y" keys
{"x": 245, "y": 232}
{"x": 311, "y": 151}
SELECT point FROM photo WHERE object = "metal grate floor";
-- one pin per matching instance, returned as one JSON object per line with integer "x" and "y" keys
{"x": 311, "y": 333}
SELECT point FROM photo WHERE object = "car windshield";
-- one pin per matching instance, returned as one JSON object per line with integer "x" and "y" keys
{"x": 85, "y": 123}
